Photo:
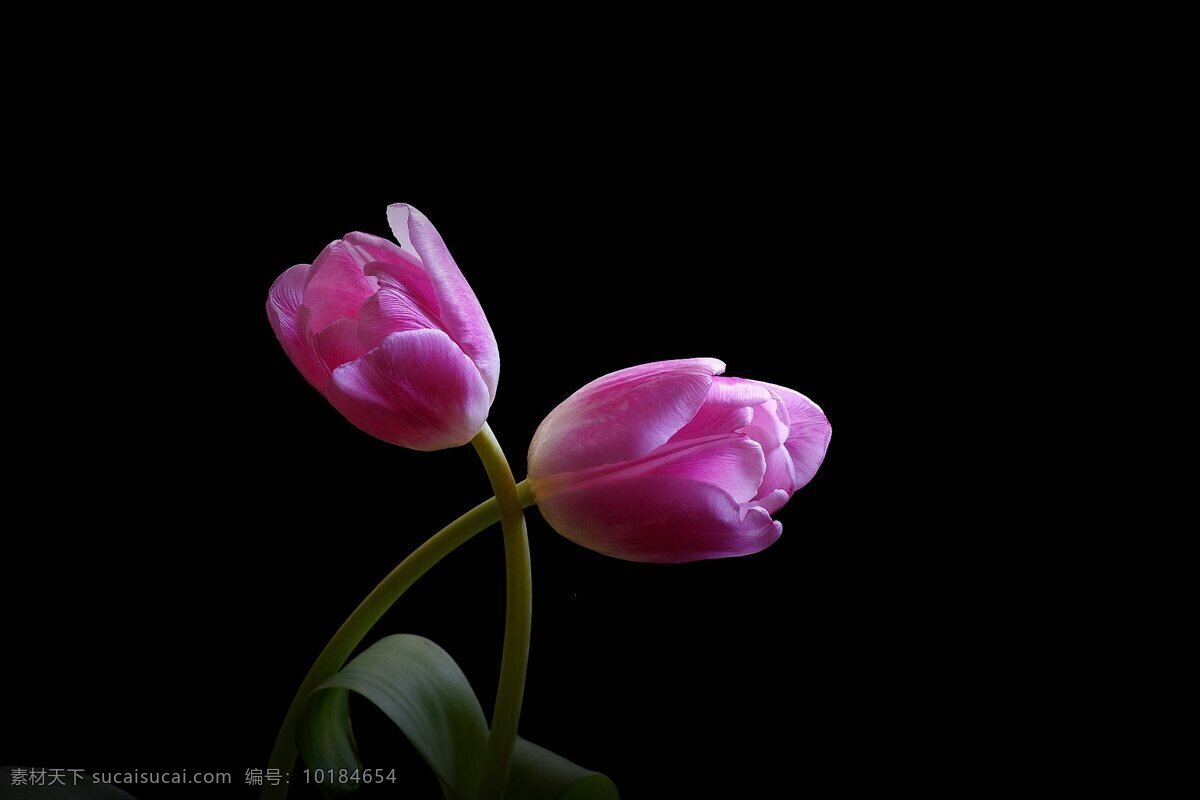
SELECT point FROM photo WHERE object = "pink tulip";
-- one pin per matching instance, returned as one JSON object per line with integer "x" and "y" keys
{"x": 667, "y": 463}
{"x": 392, "y": 336}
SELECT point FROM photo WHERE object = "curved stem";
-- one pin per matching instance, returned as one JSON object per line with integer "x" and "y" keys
{"x": 356, "y": 627}
{"x": 517, "y": 618}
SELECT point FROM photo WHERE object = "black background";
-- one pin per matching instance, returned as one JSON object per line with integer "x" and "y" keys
{"x": 202, "y": 520}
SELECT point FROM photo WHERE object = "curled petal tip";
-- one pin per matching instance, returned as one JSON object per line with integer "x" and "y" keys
{"x": 715, "y": 364}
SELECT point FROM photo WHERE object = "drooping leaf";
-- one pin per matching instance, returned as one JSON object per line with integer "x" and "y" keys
{"x": 419, "y": 687}
{"x": 81, "y": 788}
{"x": 538, "y": 774}
{"x": 325, "y": 738}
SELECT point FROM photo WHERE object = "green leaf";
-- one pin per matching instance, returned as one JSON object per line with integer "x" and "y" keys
{"x": 85, "y": 789}
{"x": 325, "y": 738}
{"x": 538, "y": 774}
{"x": 420, "y": 688}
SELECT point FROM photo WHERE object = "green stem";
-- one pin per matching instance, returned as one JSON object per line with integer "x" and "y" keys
{"x": 517, "y": 618}
{"x": 356, "y": 627}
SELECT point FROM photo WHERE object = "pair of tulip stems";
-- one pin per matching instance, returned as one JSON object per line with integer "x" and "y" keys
{"x": 507, "y": 506}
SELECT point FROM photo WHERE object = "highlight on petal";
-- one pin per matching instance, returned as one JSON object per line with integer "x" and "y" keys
{"x": 416, "y": 389}
{"x": 659, "y": 518}
{"x": 458, "y": 308}
{"x": 809, "y": 433}
{"x": 621, "y": 416}
{"x": 288, "y": 319}
{"x": 732, "y": 462}
{"x": 728, "y": 392}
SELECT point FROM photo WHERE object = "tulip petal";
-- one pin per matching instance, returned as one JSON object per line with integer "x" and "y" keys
{"x": 286, "y": 294}
{"x": 336, "y": 286}
{"x": 809, "y": 433}
{"x": 458, "y": 308}
{"x": 727, "y": 407}
{"x": 392, "y": 265}
{"x": 769, "y": 425}
{"x": 737, "y": 392}
{"x": 659, "y": 518}
{"x": 621, "y": 416}
{"x": 769, "y": 428}
{"x": 284, "y": 307}
{"x": 713, "y": 420}
{"x": 774, "y": 501}
{"x": 732, "y": 462}
{"x": 338, "y": 344}
{"x": 416, "y": 389}
{"x": 391, "y": 310}
{"x": 369, "y": 248}
{"x": 779, "y": 475}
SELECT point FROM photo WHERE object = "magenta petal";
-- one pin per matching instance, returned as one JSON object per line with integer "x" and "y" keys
{"x": 736, "y": 392}
{"x": 773, "y": 501}
{"x": 286, "y": 294}
{"x": 284, "y": 313}
{"x": 338, "y": 344}
{"x": 809, "y": 433}
{"x": 458, "y": 308}
{"x": 416, "y": 389}
{"x": 713, "y": 420}
{"x": 393, "y": 266}
{"x": 727, "y": 407}
{"x": 621, "y": 416}
{"x": 770, "y": 429}
{"x": 368, "y": 248}
{"x": 769, "y": 425}
{"x": 731, "y": 461}
{"x": 780, "y": 474}
{"x": 336, "y": 286}
{"x": 391, "y": 310}
{"x": 659, "y": 518}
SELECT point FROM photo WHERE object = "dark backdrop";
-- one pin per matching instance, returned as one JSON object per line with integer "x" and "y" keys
{"x": 202, "y": 520}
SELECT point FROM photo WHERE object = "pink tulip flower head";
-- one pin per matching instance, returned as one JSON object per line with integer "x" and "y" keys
{"x": 391, "y": 335}
{"x": 667, "y": 463}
